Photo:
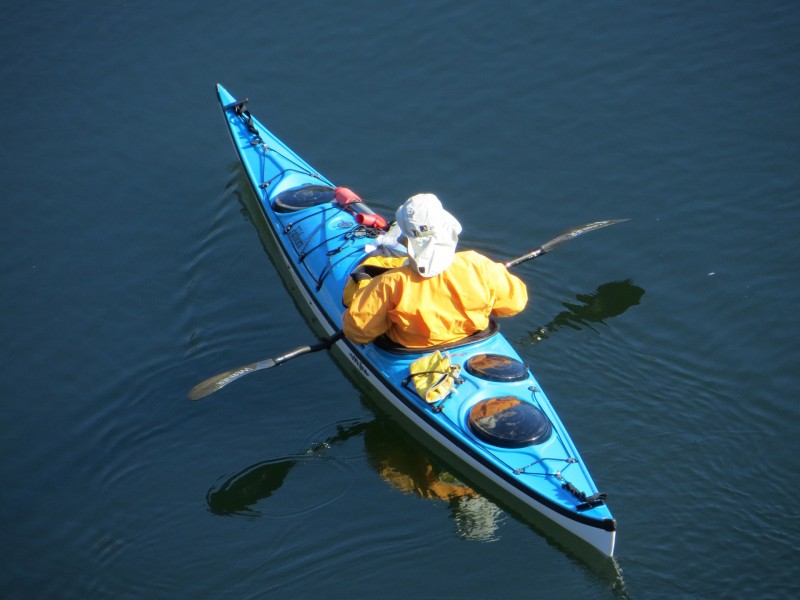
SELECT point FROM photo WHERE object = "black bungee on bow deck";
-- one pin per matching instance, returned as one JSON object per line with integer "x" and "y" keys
{"x": 587, "y": 501}
{"x": 240, "y": 109}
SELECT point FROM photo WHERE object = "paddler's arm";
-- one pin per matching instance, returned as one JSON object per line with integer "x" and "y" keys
{"x": 368, "y": 315}
{"x": 511, "y": 293}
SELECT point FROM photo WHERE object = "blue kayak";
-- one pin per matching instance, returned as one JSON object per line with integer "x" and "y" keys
{"x": 496, "y": 425}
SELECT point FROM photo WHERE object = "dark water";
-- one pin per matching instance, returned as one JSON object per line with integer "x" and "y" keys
{"x": 131, "y": 271}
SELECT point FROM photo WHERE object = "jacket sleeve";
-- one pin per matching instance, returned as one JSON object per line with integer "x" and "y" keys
{"x": 511, "y": 293}
{"x": 368, "y": 314}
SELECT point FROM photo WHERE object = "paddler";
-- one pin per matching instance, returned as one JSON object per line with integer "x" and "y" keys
{"x": 439, "y": 296}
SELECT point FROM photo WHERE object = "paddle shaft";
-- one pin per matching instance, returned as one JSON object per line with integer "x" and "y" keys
{"x": 212, "y": 384}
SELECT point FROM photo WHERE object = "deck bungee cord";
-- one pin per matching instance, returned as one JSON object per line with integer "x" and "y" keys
{"x": 373, "y": 226}
{"x": 350, "y": 236}
{"x": 291, "y": 224}
{"x": 240, "y": 109}
{"x": 587, "y": 501}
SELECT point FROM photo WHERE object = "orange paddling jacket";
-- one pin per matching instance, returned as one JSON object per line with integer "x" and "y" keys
{"x": 419, "y": 312}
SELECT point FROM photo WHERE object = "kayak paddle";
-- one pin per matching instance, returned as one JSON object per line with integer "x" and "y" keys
{"x": 212, "y": 384}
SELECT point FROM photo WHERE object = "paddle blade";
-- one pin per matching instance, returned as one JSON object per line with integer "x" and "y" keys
{"x": 561, "y": 238}
{"x": 212, "y": 384}
{"x": 576, "y": 231}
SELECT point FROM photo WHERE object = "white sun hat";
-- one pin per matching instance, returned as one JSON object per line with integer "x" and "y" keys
{"x": 432, "y": 233}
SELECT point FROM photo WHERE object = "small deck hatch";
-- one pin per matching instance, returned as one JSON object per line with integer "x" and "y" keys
{"x": 496, "y": 367}
{"x": 302, "y": 197}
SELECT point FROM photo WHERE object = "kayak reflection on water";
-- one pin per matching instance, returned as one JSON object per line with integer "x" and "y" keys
{"x": 608, "y": 301}
{"x": 407, "y": 468}
{"x": 393, "y": 456}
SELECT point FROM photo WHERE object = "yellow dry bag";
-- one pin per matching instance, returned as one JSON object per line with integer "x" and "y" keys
{"x": 433, "y": 376}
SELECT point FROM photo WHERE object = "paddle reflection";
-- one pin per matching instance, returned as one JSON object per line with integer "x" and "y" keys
{"x": 608, "y": 301}
{"x": 392, "y": 455}
{"x": 240, "y": 492}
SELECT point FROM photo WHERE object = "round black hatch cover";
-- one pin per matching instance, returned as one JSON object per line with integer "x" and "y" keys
{"x": 496, "y": 367}
{"x": 509, "y": 422}
{"x": 302, "y": 197}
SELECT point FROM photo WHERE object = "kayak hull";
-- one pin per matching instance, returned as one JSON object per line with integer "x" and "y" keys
{"x": 314, "y": 248}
